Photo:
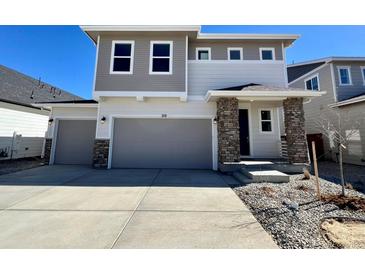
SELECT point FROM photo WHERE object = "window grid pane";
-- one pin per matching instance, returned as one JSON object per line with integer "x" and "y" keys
{"x": 265, "y": 115}
{"x": 235, "y": 55}
{"x": 203, "y": 55}
{"x": 122, "y": 64}
{"x": 266, "y": 126}
{"x": 267, "y": 55}
{"x": 160, "y": 64}
{"x": 344, "y": 76}
{"x": 161, "y": 50}
{"x": 122, "y": 49}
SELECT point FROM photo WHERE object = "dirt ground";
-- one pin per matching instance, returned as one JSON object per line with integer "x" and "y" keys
{"x": 355, "y": 175}
{"x": 346, "y": 234}
{"x": 11, "y": 166}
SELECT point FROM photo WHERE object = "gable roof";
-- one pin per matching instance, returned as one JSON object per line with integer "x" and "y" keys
{"x": 18, "y": 88}
{"x": 294, "y": 72}
{"x": 299, "y": 69}
{"x": 352, "y": 100}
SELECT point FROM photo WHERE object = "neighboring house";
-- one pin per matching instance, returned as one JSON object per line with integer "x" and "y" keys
{"x": 343, "y": 78}
{"x": 23, "y": 126}
{"x": 173, "y": 97}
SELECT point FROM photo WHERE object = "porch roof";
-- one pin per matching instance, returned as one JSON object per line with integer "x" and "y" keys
{"x": 257, "y": 92}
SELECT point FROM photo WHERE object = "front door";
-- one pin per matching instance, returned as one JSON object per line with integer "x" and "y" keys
{"x": 244, "y": 133}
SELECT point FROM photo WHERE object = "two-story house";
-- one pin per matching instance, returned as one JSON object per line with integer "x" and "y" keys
{"x": 343, "y": 78}
{"x": 174, "y": 97}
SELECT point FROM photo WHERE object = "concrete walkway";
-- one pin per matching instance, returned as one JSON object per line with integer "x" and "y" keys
{"x": 78, "y": 207}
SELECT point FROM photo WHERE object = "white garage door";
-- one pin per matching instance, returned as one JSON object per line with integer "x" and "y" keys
{"x": 162, "y": 143}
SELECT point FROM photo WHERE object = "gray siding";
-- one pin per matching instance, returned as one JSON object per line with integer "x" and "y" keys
{"x": 320, "y": 104}
{"x": 357, "y": 87}
{"x": 355, "y": 152}
{"x": 251, "y": 49}
{"x": 141, "y": 80}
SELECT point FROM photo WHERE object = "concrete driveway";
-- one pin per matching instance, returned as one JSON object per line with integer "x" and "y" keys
{"x": 78, "y": 207}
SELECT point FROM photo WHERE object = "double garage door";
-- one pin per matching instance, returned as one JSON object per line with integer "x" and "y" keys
{"x": 140, "y": 143}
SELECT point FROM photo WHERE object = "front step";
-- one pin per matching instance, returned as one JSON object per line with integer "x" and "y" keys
{"x": 240, "y": 177}
{"x": 272, "y": 176}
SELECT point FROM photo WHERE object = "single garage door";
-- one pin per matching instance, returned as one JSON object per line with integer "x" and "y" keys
{"x": 162, "y": 143}
{"x": 75, "y": 142}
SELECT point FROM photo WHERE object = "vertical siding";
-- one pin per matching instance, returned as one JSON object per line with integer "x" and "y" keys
{"x": 141, "y": 80}
{"x": 30, "y": 128}
{"x": 251, "y": 49}
{"x": 357, "y": 87}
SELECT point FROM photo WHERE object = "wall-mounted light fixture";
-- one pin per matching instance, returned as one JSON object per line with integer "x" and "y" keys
{"x": 215, "y": 120}
{"x": 50, "y": 121}
{"x": 102, "y": 120}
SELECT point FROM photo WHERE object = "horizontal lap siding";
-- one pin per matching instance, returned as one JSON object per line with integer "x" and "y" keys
{"x": 204, "y": 76}
{"x": 29, "y": 126}
{"x": 357, "y": 87}
{"x": 141, "y": 80}
{"x": 251, "y": 50}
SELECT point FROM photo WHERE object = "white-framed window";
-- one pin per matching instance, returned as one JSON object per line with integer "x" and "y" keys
{"x": 161, "y": 55}
{"x": 267, "y": 54}
{"x": 363, "y": 75}
{"x": 266, "y": 123}
{"x": 344, "y": 76}
{"x": 203, "y": 54}
{"x": 122, "y": 55}
{"x": 235, "y": 53}
{"x": 312, "y": 83}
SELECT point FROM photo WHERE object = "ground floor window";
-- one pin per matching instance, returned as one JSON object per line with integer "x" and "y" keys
{"x": 265, "y": 120}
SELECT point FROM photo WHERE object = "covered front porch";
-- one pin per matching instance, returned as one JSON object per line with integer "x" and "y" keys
{"x": 252, "y": 120}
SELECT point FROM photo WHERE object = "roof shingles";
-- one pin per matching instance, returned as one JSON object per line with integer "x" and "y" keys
{"x": 19, "y": 88}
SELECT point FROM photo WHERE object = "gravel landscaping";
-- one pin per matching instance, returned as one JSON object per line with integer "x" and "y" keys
{"x": 11, "y": 166}
{"x": 291, "y": 212}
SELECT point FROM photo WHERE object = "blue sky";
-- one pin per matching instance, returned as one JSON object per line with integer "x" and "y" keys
{"x": 64, "y": 56}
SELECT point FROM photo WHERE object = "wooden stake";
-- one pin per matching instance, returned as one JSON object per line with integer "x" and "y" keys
{"x": 316, "y": 169}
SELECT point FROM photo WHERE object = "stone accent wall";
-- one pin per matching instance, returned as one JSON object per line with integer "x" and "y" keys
{"x": 101, "y": 153}
{"x": 47, "y": 150}
{"x": 295, "y": 131}
{"x": 228, "y": 130}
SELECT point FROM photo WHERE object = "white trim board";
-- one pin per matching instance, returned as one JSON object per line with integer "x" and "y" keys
{"x": 203, "y": 49}
{"x": 348, "y": 68}
{"x": 131, "y": 57}
{"x": 229, "y": 49}
{"x": 268, "y": 49}
{"x": 170, "y": 57}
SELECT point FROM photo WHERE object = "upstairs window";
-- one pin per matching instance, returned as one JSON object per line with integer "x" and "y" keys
{"x": 344, "y": 76}
{"x": 312, "y": 83}
{"x": 234, "y": 53}
{"x": 363, "y": 74}
{"x": 202, "y": 54}
{"x": 265, "y": 120}
{"x": 267, "y": 54}
{"x": 161, "y": 57}
{"x": 122, "y": 57}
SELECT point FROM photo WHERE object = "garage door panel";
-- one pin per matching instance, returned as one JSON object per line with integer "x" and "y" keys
{"x": 162, "y": 143}
{"x": 75, "y": 142}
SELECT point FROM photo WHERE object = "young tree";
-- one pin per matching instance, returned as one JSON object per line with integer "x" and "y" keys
{"x": 340, "y": 127}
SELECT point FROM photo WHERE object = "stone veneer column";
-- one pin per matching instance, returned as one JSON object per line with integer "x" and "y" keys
{"x": 101, "y": 153}
{"x": 295, "y": 131}
{"x": 47, "y": 150}
{"x": 228, "y": 130}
